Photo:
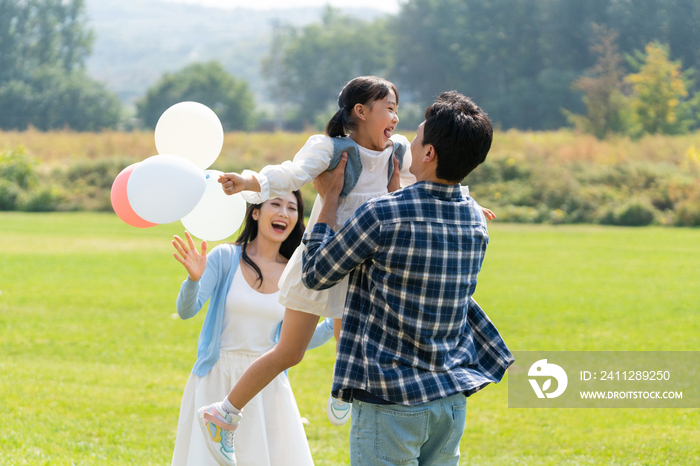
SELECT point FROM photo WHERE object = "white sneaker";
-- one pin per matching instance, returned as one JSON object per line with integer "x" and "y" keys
{"x": 338, "y": 411}
{"x": 218, "y": 429}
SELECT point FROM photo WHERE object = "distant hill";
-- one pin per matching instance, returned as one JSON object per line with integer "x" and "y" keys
{"x": 136, "y": 43}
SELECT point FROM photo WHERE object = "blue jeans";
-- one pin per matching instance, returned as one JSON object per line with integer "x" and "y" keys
{"x": 426, "y": 434}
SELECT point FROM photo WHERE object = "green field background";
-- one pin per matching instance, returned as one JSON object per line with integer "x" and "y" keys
{"x": 93, "y": 360}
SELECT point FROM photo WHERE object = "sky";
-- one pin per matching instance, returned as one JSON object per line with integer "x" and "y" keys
{"x": 390, "y": 6}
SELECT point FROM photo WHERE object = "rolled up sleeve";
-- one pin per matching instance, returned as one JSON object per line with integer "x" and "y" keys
{"x": 330, "y": 256}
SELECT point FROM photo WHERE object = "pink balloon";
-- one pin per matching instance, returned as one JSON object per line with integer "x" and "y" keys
{"x": 120, "y": 201}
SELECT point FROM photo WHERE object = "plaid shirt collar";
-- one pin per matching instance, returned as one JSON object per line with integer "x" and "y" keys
{"x": 448, "y": 192}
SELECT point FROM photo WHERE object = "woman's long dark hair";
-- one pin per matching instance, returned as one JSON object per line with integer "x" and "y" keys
{"x": 363, "y": 90}
{"x": 250, "y": 231}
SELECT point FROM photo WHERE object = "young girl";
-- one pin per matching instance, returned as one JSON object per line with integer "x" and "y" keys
{"x": 242, "y": 322}
{"x": 362, "y": 127}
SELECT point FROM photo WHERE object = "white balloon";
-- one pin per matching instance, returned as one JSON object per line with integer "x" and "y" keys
{"x": 217, "y": 216}
{"x": 165, "y": 188}
{"x": 190, "y": 130}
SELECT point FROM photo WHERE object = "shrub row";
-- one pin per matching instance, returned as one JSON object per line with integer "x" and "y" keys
{"x": 632, "y": 193}
{"x": 27, "y": 185}
{"x": 527, "y": 187}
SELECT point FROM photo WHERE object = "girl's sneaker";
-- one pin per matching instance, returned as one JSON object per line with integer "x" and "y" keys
{"x": 338, "y": 411}
{"x": 218, "y": 429}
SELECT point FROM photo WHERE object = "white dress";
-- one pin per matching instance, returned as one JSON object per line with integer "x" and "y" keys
{"x": 271, "y": 432}
{"x": 312, "y": 160}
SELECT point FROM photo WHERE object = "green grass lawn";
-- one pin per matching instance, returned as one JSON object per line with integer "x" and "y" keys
{"x": 93, "y": 361}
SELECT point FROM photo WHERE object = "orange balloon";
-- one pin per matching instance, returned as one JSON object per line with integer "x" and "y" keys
{"x": 120, "y": 201}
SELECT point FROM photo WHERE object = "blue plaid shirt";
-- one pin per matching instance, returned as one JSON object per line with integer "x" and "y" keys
{"x": 411, "y": 331}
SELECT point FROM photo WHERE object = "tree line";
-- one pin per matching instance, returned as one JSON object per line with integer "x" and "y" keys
{"x": 43, "y": 83}
{"x": 602, "y": 66}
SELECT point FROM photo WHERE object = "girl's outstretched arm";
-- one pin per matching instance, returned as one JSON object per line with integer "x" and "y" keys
{"x": 279, "y": 180}
{"x": 234, "y": 183}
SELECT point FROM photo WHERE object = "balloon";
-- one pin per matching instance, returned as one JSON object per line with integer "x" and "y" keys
{"x": 190, "y": 130}
{"x": 165, "y": 188}
{"x": 217, "y": 216}
{"x": 120, "y": 201}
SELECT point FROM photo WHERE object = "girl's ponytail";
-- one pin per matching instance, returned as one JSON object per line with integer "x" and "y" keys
{"x": 338, "y": 123}
{"x": 363, "y": 90}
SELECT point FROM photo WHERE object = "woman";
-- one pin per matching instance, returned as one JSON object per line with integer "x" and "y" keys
{"x": 242, "y": 322}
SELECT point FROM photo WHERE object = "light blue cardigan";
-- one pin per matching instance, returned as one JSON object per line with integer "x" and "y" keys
{"x": 213, "y": 285}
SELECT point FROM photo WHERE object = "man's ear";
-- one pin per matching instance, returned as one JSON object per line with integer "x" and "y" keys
{"x": 430, "y": 155}
{"x": 360, "y": 111}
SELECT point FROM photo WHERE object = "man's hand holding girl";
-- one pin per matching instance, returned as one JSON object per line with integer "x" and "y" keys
{"x": 328, "y": 185}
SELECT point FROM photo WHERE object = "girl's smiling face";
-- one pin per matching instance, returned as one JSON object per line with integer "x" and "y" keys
{"x": 378, "y": 120}
{"x": 277, "y": 217}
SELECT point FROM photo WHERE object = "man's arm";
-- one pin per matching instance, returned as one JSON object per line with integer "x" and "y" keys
{"x": 331, "y": 256}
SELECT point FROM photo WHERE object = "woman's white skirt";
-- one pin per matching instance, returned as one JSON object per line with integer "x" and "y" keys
{"x": 271, "y": 432}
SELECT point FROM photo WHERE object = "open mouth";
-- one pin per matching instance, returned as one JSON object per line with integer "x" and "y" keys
{"x": 387, "y": 132}
{"x": 279, "y": 227}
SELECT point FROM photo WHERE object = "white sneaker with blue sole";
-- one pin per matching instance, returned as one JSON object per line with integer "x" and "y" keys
{"x": 338, "y": 411}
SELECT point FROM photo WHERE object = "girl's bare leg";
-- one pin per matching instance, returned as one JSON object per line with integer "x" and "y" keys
{"x": 297, "y": 329}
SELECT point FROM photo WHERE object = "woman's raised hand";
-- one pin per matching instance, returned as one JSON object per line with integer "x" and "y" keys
{"x": 194, "y": 262}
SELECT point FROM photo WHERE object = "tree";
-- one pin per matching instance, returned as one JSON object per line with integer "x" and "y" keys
{"x": 684, "y": 32}
{"x": 52, "y": 99}
{"x": 309, "y": 66}
{"x": 603, "y": 89}
{"x": 660, "y": 91}
{"x": 39, "y": 33}
{"x": 274, "y": 72}
{"x": 497, "y": 52}
{"x": 518, "y": 59}
{"x": 43, "y": 83}
{"x": 207, "y": 83}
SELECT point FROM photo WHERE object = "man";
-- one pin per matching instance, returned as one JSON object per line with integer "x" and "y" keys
{"x": 413, "y": 343}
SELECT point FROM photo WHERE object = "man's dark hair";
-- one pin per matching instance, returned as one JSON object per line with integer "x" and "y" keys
{"x": 460, "y": 132}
